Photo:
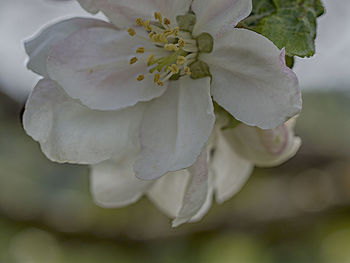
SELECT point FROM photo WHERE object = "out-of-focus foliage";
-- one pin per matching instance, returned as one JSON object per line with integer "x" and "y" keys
{"x": 287, "y": 23}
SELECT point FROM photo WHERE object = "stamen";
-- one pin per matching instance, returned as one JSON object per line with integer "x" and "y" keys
{"x": 150, "y": 60}
{"x": 131, "y": 32}
{"x": 182, "y": 47}
{"x": 176, "y": 31}
{"x": 171, "y": 47}
{"x": 133, "y": 60}
{"x": 139, "y": 21}
{"x": 168, "y": 32}
{"x": 151, "y": 34}
{"x": 174, "y": 68}
{"x": 156, "y": 77}
{"x": 158, "y": 16}
{"x": 181, "y": 60}
{"x": 140, "y": 78}
{"x": 140, "y": 50}
{"x": 187, "y": 71}
{"x": 163, "y": 38}
{"x": 166, "y": 21}
{"x": 146, "y": 24}
{"x": 181, "y": 42}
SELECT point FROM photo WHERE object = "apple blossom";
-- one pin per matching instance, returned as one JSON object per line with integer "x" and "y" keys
{"x": 133, "y": 98}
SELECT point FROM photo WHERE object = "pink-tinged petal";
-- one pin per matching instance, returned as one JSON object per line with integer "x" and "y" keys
{"x": 113, "y": 183}
{"x": 216, "y": 17}
{"x": 93, "y": 65}
{"x": 196, "y": 191}
{"x": 251, "y": 81}
{"x": 265, "y": 148}
{"x": 70, "y": 132}
{"x": 125, "y": 12}
{"x": 230, "y": 170}
{"x": 208, "y": 201}
{"x": 175, "y": 128}
{"x": 38, "y": 47}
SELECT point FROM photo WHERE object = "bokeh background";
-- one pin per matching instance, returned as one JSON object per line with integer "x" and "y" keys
{"x": 296, "y": 213}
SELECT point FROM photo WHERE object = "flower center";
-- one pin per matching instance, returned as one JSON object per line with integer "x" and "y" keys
{"x": 181, "y": 49}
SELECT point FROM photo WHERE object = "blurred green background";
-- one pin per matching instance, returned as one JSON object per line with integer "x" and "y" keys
{"x": 298, "y": 212}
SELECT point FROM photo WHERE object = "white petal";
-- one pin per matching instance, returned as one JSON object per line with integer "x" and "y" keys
{"x": 251, "y": 80}
{"x": 196, "y": 191}
{"x": 215, "y": 17}
{"x": 264, "y": 148}
{"x": 70, "y": 132}
{"x": 168, "y": 192}
{"x": 175, "y": 128}
{"x": 124, "y": 12}
{"x": 230, "y": 170}
{"x": 92, "y": 65}
{"x": 113, "y": 183}
{"x": 39, "y": 46}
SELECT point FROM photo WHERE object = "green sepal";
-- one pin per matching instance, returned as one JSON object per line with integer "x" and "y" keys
{"x": 199, "y": 69}
{"x": 205, "y": 43}
{"x": 186, "y": 22}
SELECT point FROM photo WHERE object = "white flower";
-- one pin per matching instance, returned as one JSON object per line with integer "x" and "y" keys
{"x": 134, "y": 96}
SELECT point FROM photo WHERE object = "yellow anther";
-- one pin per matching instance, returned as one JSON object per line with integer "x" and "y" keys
{"x": 131, "y": 32}
{"x": 139, "y": 21}
{"x": 156, "y": 37}
{"x": 140, "y": 50}
{"x": 187, "y": 71}
{"x": 146, "y": 24}
{"x": 140, "y": 78}
{"x": 171, "y": 47}
{"x": 166, "y": 21}
{"x": 151, "y": 34}
{"x": 158, "y": 16}
{"x": 133, "y": 60}
{"x": 168, "y": 32}
{"x": 150, "y": 60}
{"x": 156, "y": 78}
{"x": 181, "y": 60}
{"x": 174, "y": 68}
{"x": 176, "y": 31}
{"x": 163, "y": 38}
{"x": 181, "y": 42}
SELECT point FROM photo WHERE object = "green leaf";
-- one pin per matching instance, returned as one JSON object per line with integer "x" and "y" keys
{"x": 287, "y": 23}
